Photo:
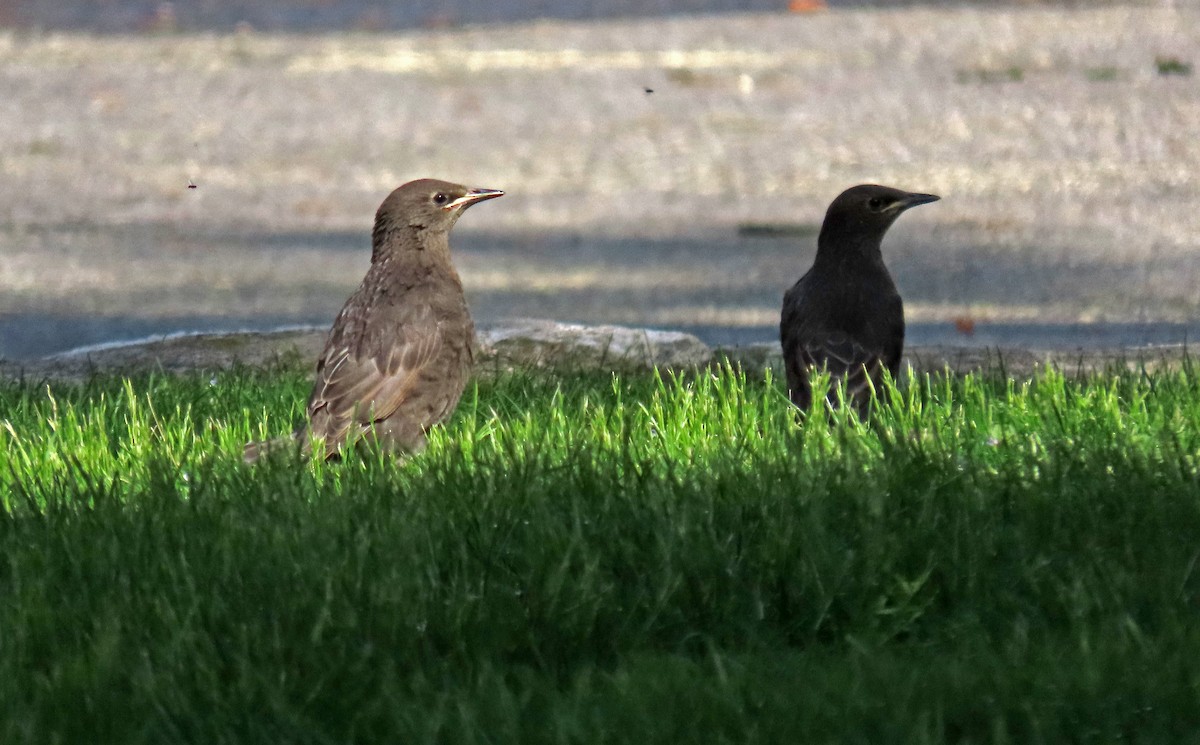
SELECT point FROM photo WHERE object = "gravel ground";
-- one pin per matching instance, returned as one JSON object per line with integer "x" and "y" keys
{"x": 1063, "y": 146}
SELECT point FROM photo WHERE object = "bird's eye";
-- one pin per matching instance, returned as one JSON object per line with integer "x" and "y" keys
{"x": 875, "y": 203}
{"x": 440, "y": 198}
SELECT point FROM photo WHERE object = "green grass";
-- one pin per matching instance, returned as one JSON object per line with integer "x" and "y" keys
{"x": 991, "y": 75}
{"x": 1167, "y": 65}
{"x": 1102, "y": 74}
{"x": 605, "y": 560}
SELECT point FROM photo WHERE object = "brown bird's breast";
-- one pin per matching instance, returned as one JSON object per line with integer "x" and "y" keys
{"x": 397, "y": 358}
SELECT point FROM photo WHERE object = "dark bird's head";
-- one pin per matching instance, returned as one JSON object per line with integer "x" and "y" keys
{"x": 861, "y": 215}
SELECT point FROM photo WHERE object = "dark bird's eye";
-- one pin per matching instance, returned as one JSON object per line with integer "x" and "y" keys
{"x": 875, "y": 203}
{"x": 440, "y": 198}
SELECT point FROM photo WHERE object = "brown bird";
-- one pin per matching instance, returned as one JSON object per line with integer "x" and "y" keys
{"x": 399, "y": 354}
{"x": 845, "y": 314}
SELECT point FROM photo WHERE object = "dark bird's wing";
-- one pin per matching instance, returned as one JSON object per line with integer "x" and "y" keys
{"x": 854, "y": 342}
{"x": 858, "y": 368}
{"x": 365, "y": 381}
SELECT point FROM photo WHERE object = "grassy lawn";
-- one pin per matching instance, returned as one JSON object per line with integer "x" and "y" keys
{"x": 591, "y": 559}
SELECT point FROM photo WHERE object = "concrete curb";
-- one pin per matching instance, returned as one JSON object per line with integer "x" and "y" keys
{"x": 540, "y": 344}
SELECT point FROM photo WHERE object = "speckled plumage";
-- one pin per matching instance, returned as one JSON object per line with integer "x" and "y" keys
{"x": 845, "y": 314}
{"x": 400, "y": 352}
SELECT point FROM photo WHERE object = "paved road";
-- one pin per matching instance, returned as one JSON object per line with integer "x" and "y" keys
{"x": 1067, "y": 160}
{"x": 120, "y": 16}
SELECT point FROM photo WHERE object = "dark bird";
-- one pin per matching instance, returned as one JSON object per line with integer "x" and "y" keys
{"x": 845, "y": 314}
{"x": 400, "y": 352}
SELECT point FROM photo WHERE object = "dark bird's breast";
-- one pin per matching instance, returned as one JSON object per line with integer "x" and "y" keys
{"x": 854, "y": 329}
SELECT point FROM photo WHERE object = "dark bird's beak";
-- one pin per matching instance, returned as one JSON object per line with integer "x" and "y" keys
{"x": 914, "y": 200}
{"x": 471, "y": 197}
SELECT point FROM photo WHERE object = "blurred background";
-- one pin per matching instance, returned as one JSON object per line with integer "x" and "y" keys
{"x": 216, "y": 164}
{"x": 119, "y": 16}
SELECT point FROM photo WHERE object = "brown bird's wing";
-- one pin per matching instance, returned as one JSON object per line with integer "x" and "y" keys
{"x": 361, "y": 384}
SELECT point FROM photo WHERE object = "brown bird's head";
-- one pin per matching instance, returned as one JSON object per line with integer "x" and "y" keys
{"x": 862, "y": 214}
{"x": 428, "y": 204}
